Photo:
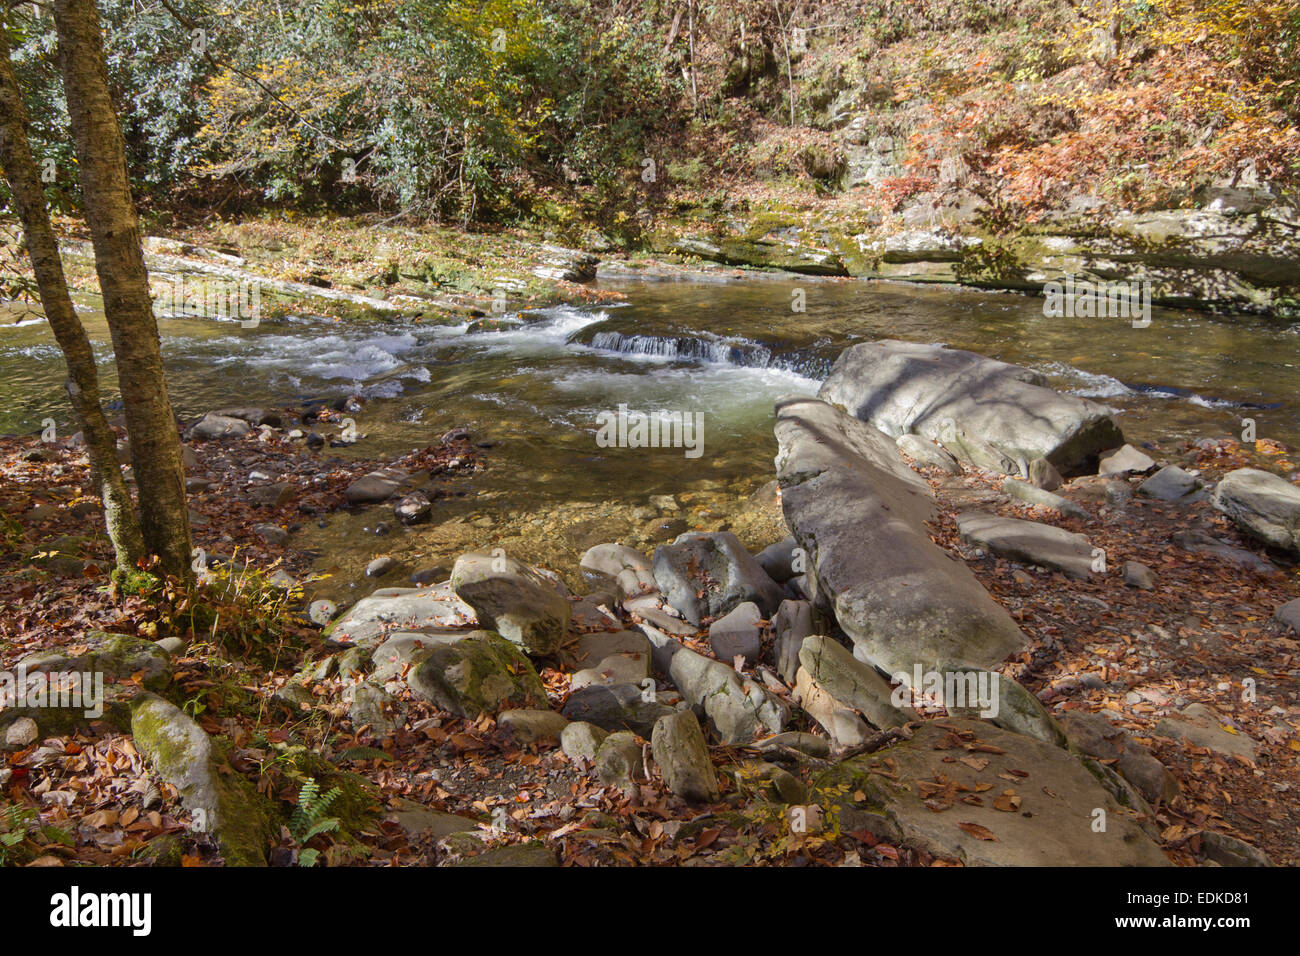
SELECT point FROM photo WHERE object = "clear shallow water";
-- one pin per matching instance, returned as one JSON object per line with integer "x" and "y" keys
{"x": 727, "y": 350}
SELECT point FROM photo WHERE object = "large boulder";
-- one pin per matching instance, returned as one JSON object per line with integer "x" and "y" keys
{"x": 1264, "y": 505}
{"x": 484, "y": 673}
{"x": 859, "y": 513}
{"x": 707, "y": 575}
{"x": 937, "y": 392}
{"x": 513, "y": 600}
{"x": 967, "y": 790}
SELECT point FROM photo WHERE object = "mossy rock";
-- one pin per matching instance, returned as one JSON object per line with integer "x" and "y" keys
{"x": 483, "y": 673}
{"x": 223, "y": 801}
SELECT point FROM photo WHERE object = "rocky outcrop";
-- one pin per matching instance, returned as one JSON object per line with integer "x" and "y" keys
{"x": 858, "y": 512}
{"x": 1027, "y": 803}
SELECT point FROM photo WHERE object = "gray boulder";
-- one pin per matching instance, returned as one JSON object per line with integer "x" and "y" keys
{"x": 738, "y": 634}
{"x": 852, "y": 682}
{"x": 618, "y": 761}
{"x": 793, "y": 622}
{"x": 532, "y": 725}
{"x": 215, "y": 427}
{"x": 513, "y": 600}
{"x": 707, "y": 575}
{"x": 1264, "y": 505}
{"x": 934, "y": 391}
{"x": 1125, "y": 460}
{"x": 616, "y": 707}
{"x": 378, "y": 485}
{"x": 1052, "y": 817}
{"x": 628, "y": 569}
{"x": 1031, "y": 494}
{"x": 367, "y": 622}
{"x": 1170, "y": 483}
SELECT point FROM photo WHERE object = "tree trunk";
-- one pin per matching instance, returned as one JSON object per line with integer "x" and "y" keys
{"x": 83, "y": 378}
{"x": 119, "y": 263}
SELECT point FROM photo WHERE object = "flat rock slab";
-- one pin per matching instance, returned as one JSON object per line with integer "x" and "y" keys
{"x": 937, "y": 392}
{"x": 387, "y": 609}
{"x": 1029, "y": 542}
{"x": 859, "y": 513}
{"x": 954, "y": 809}
{"x": 1202, "y": 726}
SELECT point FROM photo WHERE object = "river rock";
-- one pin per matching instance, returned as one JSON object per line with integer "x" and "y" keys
{"x": 367, "y": 621}
{"x": 272, "y": 534}
{"x": 1138, "y": 575}
{"x": 530, "y": 726}
{"x": 483, "y": 673}
{"x": 1288, "y": 615}
{"x": 934, "y": 391}
{"x": 619, "y": 762}
{"x": 1029, "y": 541}
{"x": 215, "y": 427}
{"x": 1015, "y": 488}
{"x": 406, "y": 647}
{"x": 793, "y": 622}
{"x": 369, "y": 704}
{"x": 1125, "y": 460}
{"x": 1169, "y": 484}
{"x": 1043, "y": 475}
{"x": 378, "y": 485}
{"x": 616, "y": 707}
{"x": 707, "y": 575}
{"x": 927, "y": 454}
{"x": 254, "y": 416}
{"x": 1229, "y": 851}
{"x": 859, "y": 513}
{"x": 186, "y": 758}
{"x": 1263, "y": 504}
{"x": 1054, "y": 806}
{"x": 738, "y": 709}
{"x": 852, "y": 682}
{"x": 682, "y": 756}
{"x": 380, "y": 566}
{"x": 841, "y": 723}
{"x": 778, "y": 560}
{"x": 738, "y": 634}
{"x": 778, "y": 746}
{"x": 588, "y": 650}
{"x": 512, "y": 599}
{"x": 580, "y": 740}
{"x": 413, "y": 508}
{"x": 628, "y": 569}
{"x": 621, "y": 668}
{"x": 114, "y": 656}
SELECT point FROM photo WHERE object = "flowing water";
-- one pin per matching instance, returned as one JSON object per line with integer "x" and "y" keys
{"x": 536, "y": 383}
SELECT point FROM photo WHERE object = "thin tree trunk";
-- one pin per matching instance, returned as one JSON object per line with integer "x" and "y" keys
{"x": 83, "y": 378}
{"x": 119, "y": 263}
